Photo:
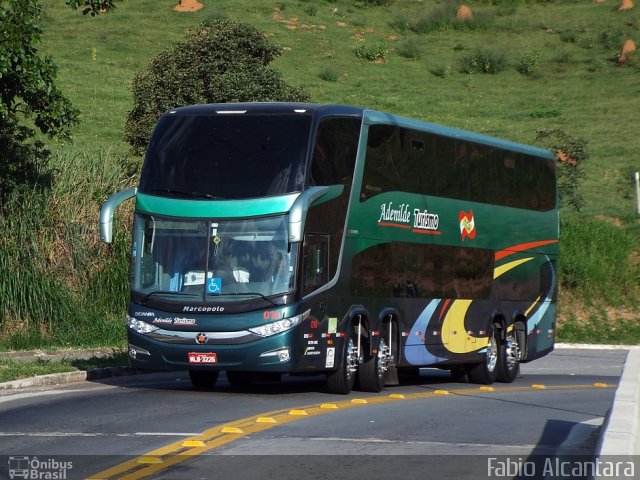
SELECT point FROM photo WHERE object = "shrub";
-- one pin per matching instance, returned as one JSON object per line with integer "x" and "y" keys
{"x": 528, "y": 62}
{"x": 442, "y": 71}
{"x": 484, "y": 61}
{"x": 401, "y": 22}
{"x": 570, "y": 153}
{"x": 436, "y": 20}
{"x": 569, "y": 37}
{"x": 409, "y": 48}
{"x": 611, "y": 39}
{"x": 220, "y": 61}
{"x": 328, "y": 74}
{"x": 371, "y": 52}
{"x": 24, "y": 162}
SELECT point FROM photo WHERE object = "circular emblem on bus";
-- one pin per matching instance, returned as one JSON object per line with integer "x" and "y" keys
{"x": 201, "y": 339}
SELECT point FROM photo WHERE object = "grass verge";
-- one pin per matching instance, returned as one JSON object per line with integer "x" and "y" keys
{"x": 11, "y": 369}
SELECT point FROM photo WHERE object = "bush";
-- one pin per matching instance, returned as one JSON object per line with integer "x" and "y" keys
{"x": 436, "y": 20}
{"x": 371, "y": 52}
{"x": 24, "y": 162}
{"x": 442, "y": 71}
{"x": 484, "y": 61}
{"x": 328, "y": 74}
{"x": 383, "y": 3}
{"x": 528, "y": 62}
{"x": 220, "y": 61}
{"x": 570, "y": 153}
{"x": 401, "y": 22}
{"x": 409, "y": 48}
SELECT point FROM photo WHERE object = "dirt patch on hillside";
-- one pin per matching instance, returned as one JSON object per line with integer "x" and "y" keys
{"x": 293, "y": 23}
{"x": 188, "y": 6}
{"x": 610, "y": 220}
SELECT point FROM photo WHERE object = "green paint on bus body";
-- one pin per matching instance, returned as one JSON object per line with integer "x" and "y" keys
{"x": 174, "y": 207}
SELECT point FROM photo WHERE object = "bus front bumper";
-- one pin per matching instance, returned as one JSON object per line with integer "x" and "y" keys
{"x": 277, "y": 353}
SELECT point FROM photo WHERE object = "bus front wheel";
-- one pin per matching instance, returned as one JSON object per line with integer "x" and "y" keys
{"x": 342, "y": 380}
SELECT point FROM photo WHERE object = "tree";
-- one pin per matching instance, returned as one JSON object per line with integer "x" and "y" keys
{"x": 28, "y": 97}
{"x": 220, "y": 61}
{"x": 94, "y": 7}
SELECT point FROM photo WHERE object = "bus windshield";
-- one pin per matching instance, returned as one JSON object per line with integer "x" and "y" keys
{"x": 223, "y": 261}
{"x": 227, "y": 157}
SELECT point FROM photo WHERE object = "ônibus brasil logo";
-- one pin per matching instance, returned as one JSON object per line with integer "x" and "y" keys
{"x": 401, "y": 217}
{"x": 38, "y": 468}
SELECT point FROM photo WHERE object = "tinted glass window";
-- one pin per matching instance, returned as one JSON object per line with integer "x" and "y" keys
{"x": 424, "y": 271}
{"x": 227, "y": 156}
{"x": 335, "y": 150}
{"x": 399, "y": 159}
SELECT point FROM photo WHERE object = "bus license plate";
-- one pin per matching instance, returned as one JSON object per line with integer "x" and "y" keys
{"x": 195, "y": 357}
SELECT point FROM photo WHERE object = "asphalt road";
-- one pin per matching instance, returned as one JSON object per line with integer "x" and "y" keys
{"x": 157, "y": 426}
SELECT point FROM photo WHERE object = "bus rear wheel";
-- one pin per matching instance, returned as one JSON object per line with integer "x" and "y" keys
{"x": 203, "y": 379}
{"x": 371, "y": 374}
{"x": 484, "y": 373}
{"x": 509, "y": 360}
{"x": 342, "y": 380}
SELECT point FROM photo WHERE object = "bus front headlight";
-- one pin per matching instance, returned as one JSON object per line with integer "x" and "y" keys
{"x": 279, "y": 326}
{"x": 140, "y": 326}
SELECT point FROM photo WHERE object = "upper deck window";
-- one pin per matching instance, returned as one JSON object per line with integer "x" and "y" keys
{"x": 226, "y": 157}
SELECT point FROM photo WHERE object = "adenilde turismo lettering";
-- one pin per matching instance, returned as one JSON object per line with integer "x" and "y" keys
{"x": 560, "y": 468}
{"x": 423, "y": 220}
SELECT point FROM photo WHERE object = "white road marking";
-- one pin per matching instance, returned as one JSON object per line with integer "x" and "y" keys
{"x": 96, "y": 434}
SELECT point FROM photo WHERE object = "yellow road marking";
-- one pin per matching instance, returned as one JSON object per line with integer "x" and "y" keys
{"x": 301, "y": 413}
{"x": 193, "y": 443}
{"x": 266, "y": 420}
{"x": 215, "y": 437}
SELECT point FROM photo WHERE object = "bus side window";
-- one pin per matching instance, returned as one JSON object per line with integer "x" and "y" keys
{"x": 316, "y": 259}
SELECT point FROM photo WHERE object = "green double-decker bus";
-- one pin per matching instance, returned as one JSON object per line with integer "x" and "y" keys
{"x": 287, "y": 238}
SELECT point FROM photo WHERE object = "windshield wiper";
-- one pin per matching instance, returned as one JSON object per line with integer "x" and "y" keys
{"x": 250, "y": 293}
{"x": 184, "y": 194}
{"x": 144, "y": 299}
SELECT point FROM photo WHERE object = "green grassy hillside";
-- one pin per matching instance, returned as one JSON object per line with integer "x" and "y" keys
{"x": 555, "y": 67}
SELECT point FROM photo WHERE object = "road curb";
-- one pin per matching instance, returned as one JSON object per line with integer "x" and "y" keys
{"x": 621, "y": 430}
{"x": 69, "y": 377}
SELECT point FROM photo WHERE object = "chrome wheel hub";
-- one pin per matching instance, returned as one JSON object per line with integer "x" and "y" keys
{"x": 492, "y": 354}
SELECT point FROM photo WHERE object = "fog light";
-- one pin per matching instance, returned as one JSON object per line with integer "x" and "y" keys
{"x": 135, "y": 351}
{"x": 283, "y": 354}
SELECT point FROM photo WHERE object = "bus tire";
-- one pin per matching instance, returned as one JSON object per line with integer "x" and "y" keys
{"x": 484, "y": 373}
{"x": 203, "y": 379}
{"x": 372, "y": 373}
{"x": 509, "y": 359}
{"x": 341, "y": 380}
{"x": 240, "y": 379}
